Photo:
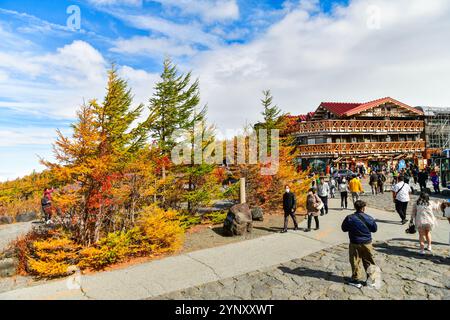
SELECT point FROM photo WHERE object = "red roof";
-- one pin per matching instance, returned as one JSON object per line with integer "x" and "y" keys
{"x": 339, "y": 108}
{"x": 349, "y": 109}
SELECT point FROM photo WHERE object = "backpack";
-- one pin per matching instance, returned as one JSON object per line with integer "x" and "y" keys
{"x": 45, "y": 202}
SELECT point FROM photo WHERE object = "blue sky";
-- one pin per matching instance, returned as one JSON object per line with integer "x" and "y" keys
{"x": 306, "y": 51}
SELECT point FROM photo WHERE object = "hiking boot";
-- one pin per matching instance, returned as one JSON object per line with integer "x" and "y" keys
{"x": 283, "y": 231}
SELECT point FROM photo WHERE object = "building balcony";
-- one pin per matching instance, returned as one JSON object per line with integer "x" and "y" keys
{"x": 358, "y": 126}
{"x": 360, "y": 148}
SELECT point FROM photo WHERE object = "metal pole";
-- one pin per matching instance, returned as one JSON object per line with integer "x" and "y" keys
{"x": 242, "y": 189}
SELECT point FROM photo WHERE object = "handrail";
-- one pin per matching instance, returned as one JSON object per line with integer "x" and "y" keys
{"x": 361, "y": 148}
{"x": 358, "y": 126}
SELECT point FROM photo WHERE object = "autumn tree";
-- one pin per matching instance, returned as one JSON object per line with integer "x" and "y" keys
{"x": 105, "y": 140}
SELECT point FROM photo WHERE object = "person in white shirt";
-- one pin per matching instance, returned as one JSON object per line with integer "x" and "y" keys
{"x": 344, "y": 190}
{"x": 423, "y": 217}
{"x": 401, "y": 192}
{"x": 323, "y": 191}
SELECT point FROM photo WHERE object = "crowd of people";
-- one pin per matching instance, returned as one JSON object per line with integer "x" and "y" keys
{"x": 360, "y": 225}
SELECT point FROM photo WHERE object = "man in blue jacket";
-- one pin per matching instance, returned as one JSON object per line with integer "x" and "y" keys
{"x": 360, "y": 227}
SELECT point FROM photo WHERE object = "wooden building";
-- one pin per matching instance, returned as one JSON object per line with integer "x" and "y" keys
{"x": 347, "y": 135}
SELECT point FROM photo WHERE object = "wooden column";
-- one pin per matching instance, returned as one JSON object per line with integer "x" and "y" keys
{"x": 242, "y": 191}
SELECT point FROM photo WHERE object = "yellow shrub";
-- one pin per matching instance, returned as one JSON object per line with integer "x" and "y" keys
{"x": 48, "y": 269}
{"x": 115, "y": 247}
{"x": 161, "y": 229}
{"x": 51, "y": 258}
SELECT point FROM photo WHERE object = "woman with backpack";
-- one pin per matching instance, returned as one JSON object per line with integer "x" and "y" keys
{"x": 313, "y": 206}
{"x": 424, "y": 219}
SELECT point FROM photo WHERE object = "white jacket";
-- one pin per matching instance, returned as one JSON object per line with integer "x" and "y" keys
{"x": 422, "y": 214}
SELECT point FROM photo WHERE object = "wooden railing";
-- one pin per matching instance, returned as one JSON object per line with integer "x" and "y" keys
{"x": 359, "y": 126}
{"x": 361, "y": 148}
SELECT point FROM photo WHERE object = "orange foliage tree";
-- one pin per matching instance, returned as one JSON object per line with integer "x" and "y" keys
{"x": 94, "y": 160}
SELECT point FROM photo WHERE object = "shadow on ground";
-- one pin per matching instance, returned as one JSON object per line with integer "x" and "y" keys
{"x": 410, "y": 252}
{"x": 318, "y": 274}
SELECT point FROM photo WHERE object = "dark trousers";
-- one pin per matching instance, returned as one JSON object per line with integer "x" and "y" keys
{"x": 288, "y": 214}
{"x": 423, "y": 186}
{"x": 401, "y": 208}
{"x": 316, "y": 219}
{"x": 381, "y": 188}
{"x": 436, "y": 188}
{"x": 344, "y": 200}
{"x": 324, "y": 210}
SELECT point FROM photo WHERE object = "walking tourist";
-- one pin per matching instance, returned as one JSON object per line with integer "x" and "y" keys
{"x": 332, "y": 187}
{"x": 435, "y": 181}
{"x": 381, "y": 181}
{"x": 401, "y": 192}
{"x": 373, "y": 182}
{"x": 323, "y": 191}
{"x": 313, "y": 206}
{"x": 415, "y": 173}
{"x": 289, "y": 207}
{"x": 360, "y": 227}
{"x": 422, "y": 179}
{"x": 355, "y": 188}
{"x": 343, "y": 189}
{"x": 423, "y": 217}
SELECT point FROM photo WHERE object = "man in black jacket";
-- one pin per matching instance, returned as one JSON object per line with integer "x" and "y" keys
{"x": 289, "y": 207}
{"x": 360, "y": 227}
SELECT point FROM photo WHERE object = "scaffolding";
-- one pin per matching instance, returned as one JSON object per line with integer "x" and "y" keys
{"x": 437, "y": 127}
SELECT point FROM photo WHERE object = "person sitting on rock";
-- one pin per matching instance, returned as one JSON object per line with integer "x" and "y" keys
{"x": 360, "y": 227}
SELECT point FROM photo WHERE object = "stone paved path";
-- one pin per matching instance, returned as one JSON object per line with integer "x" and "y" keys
{"x": 322, "y": 275}
{"x": 11, "y": 232}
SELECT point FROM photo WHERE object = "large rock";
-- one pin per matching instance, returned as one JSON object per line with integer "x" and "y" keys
{"x": 8, "y": 267}
{"x": 239, "y": 221}
{"x": 6, "y": 220}
{"x": 26, "y": 217}
{"x": 257, "y": 214}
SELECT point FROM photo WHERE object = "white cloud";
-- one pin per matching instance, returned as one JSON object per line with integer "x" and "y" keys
{"x": 309, "y": 57}
{"x": 153, "y": 47}
{"x": 208, "y": 10}
{"x": 183, "y": 33}
{"x": 53, "y": 84}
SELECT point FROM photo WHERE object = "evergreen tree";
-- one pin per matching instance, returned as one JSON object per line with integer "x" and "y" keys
{"x": 271, "y": 113}
{"x": 173, "y": 106}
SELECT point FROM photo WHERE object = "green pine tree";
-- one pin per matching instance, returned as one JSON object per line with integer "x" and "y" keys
{"x": 116, "y": 120}
{"x": 174, "y": 106}
{"x": 271, "y": 113}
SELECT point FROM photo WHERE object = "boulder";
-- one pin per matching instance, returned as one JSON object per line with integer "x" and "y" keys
{"x": 239, "y": 221}
{"x": 257, "y": 214}
{"x": 6, "y": 220}
{"x": 8, "y": 267}
{"x": 26, "y": 217}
